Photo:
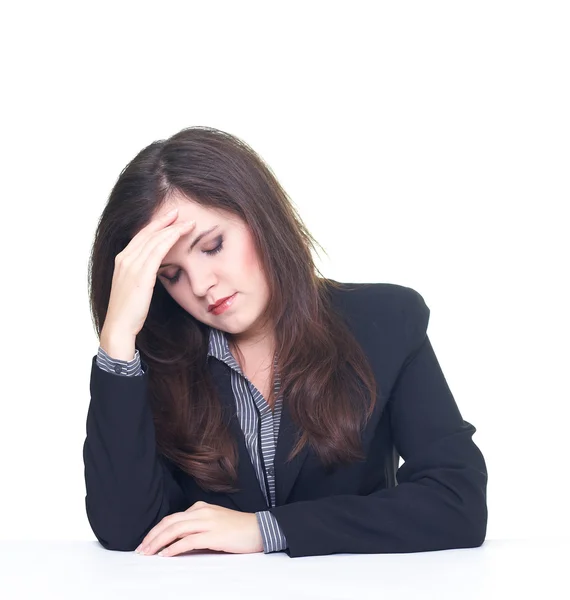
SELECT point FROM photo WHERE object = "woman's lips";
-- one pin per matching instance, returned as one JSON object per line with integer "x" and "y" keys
{"x": 223, "y": 306}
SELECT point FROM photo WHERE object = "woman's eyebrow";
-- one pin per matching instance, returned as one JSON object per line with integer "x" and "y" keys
{"x": 196, "y": 240}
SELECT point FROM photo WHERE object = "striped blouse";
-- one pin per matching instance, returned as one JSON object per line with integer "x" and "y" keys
{"x": 251, "y": 407}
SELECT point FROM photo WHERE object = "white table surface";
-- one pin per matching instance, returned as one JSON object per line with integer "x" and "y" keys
{"x": 82, "y": 570}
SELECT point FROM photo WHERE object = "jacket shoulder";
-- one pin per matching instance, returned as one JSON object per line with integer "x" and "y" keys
{"x": 392, "y": 310}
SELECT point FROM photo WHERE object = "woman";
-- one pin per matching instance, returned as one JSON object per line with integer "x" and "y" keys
{"x": 241, "y": 403}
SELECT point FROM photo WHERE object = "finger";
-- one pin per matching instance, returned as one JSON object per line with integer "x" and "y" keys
{"x": 159, "y": 528}
{"x": 197, "y": 541}
{"x": 180, "y": 529}
{"x": 168, "y": 520}
{"x": 157, "y": 247}
{"x": 146, "y": 245}
{"x": 168, "y": 222}
{"x": 156, "y": 224}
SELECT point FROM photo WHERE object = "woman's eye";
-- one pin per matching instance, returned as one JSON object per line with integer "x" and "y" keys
{"x": 216, "y": 249}
{"x": 173, "y": 280}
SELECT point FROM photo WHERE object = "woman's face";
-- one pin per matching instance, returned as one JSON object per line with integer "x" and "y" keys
{"x": 223, "y": 262}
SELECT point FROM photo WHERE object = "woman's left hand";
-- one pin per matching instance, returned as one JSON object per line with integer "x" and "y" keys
{"x": 204, "y": 526}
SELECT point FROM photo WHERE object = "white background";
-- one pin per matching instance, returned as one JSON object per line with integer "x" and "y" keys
{"x": 424, "y": 143}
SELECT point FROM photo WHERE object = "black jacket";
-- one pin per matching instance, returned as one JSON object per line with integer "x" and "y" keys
{"x": 436, "y": 500}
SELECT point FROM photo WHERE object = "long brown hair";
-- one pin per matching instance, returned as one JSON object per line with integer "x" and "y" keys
{"x": 321, "y": 366}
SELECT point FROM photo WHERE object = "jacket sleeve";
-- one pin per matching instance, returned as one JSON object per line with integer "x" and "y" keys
{"x": 129, "y": 487}
{"x": 439, "y": 501}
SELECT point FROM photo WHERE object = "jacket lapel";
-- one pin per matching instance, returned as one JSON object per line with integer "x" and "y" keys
{"x": 287, "y": 472}
{"x": 250, "y": 498}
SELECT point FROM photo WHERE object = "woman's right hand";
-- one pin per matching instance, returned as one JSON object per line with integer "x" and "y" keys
{"x": 135, "y": 273}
